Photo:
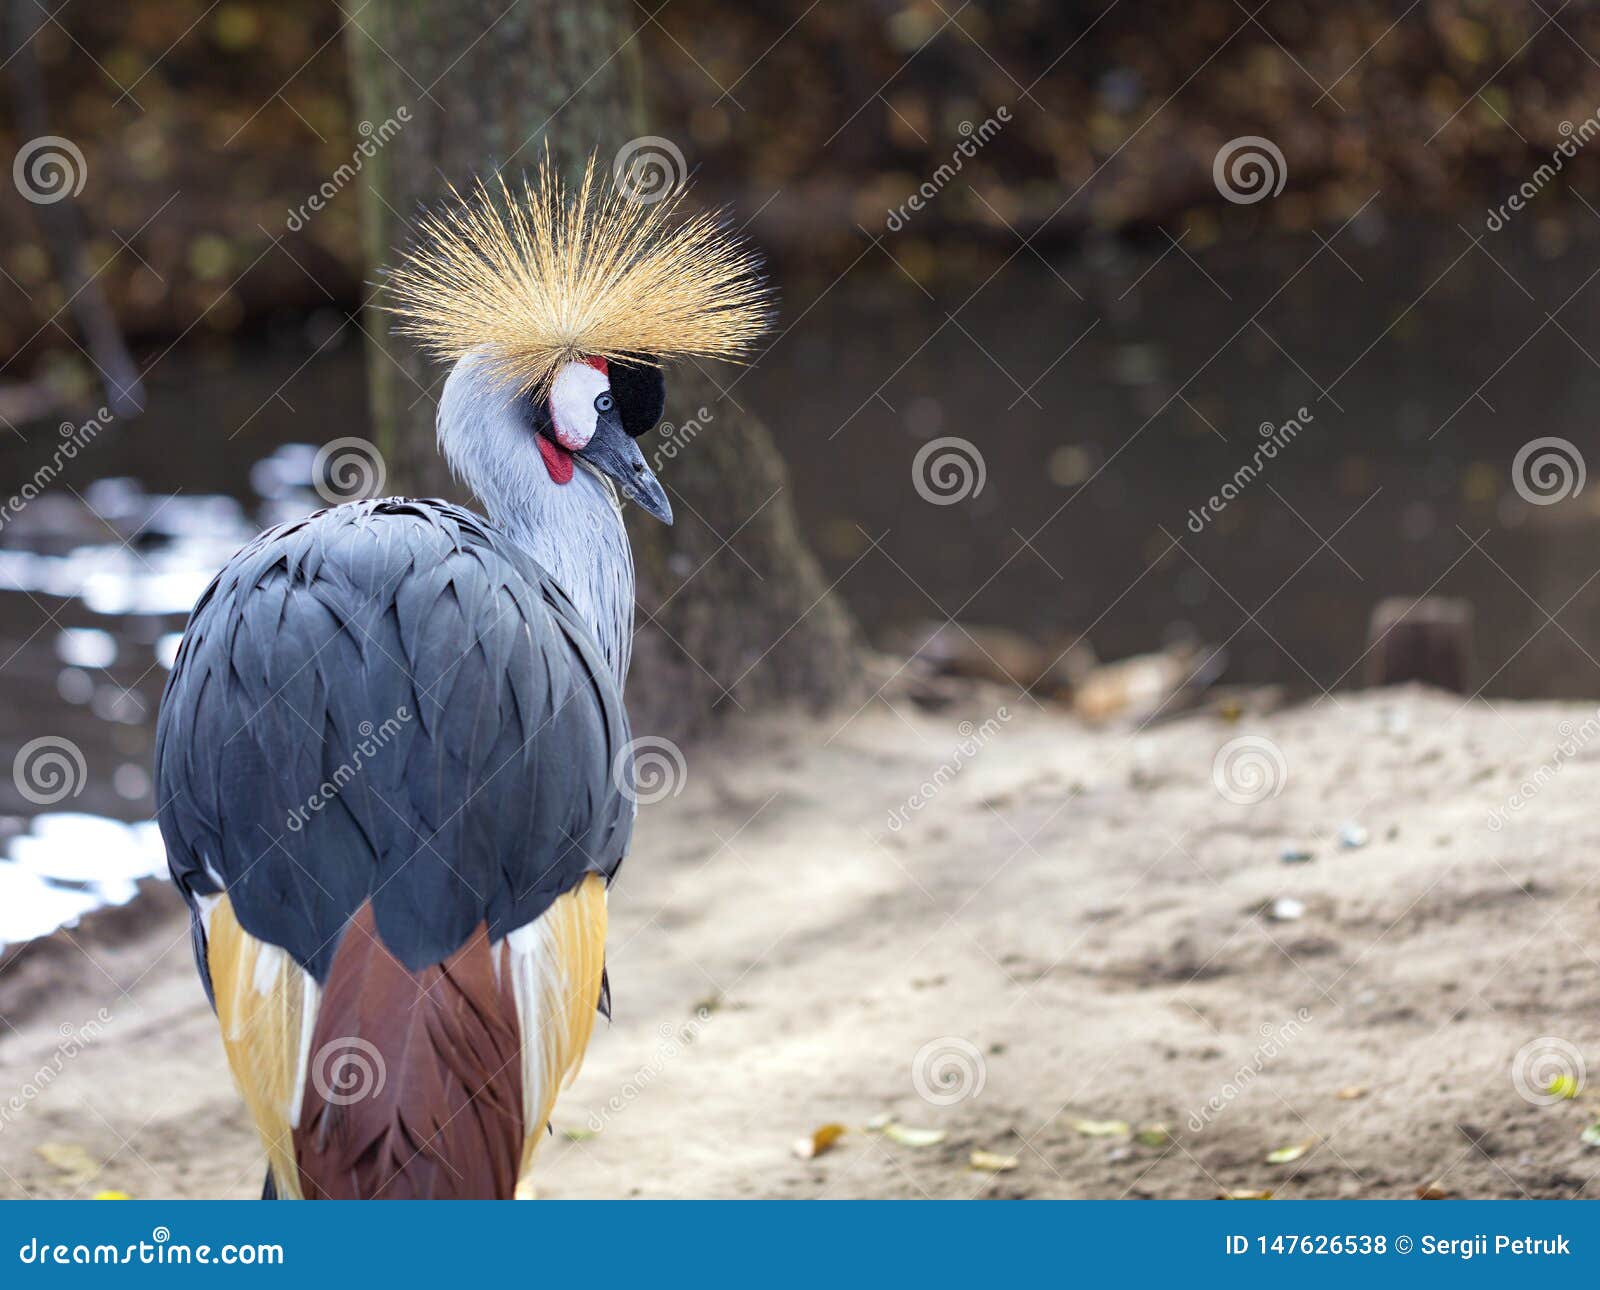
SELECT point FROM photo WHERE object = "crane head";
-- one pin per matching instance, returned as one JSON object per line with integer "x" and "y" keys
{"x": 597, "y": 411}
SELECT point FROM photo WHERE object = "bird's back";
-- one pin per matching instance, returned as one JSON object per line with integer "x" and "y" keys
{"x": 391, "y": 763}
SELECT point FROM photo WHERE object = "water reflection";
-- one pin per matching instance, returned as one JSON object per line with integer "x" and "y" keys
{"x": 66, "y": 864}
{"x": 95, "y": 586}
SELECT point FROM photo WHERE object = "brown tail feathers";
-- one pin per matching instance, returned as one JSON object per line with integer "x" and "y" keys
{"x": 414, "y": 1082}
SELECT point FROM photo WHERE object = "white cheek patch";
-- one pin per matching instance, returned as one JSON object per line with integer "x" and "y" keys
{"x": 572, "y": 397}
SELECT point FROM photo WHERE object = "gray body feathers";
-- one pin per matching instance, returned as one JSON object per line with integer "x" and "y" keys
{"x": 391, "y": 701}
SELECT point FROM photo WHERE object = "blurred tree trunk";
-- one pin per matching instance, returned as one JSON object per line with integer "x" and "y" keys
{"x": 478, "y": 87}
{"x": 732, "y": 604}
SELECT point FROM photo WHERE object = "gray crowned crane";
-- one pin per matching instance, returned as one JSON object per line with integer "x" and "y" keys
{"x": 392, "y": 759}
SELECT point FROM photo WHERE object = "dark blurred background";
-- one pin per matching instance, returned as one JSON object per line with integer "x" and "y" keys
{"x": 1081, "y": 299}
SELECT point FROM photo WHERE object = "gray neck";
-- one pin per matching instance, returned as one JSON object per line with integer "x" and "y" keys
{"x": 596, "y": 570}
{"x": 574, "y": 530}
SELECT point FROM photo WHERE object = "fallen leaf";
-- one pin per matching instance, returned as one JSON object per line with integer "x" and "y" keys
{"x": 1289, "y": 1154}
{"x": 69, "y": 1158}
{"x": 1153, "y": 1135}
{"x": 1352, "y": 1092}
{"x": 907, "y": 1136}
{"x": 1564, "y": 1086}
{"x": 991, "y": 1162}
{"x": 1244, "y": 1193}
{"x": 1434, "y": 1191}
{"x": 819, "y": 1141}
{"x": 112, "y": 1195}
{"x": 578, "y": 1135}
{"x": 1590, "y": 1137}
{"x": 1102, "y": 1128}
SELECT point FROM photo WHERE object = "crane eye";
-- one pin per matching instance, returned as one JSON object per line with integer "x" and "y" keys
{"x": 604, "y": 402}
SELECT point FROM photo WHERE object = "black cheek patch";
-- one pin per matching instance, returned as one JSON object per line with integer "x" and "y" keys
{"x": 640, "y": 389}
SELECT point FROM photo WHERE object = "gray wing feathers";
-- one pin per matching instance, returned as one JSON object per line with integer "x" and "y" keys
{"x": 388, "y": 701}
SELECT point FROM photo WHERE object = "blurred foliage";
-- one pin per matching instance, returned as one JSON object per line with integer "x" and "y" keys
{"x": 205, "y": 126}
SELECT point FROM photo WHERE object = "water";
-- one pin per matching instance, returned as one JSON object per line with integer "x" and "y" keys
{"x": 1109, "y": 397}
{"x": 1403, "y": 465}
{"x": 97, "y": 576}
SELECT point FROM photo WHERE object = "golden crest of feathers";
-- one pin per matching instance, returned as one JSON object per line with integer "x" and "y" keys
{"x": 536, "y": 279}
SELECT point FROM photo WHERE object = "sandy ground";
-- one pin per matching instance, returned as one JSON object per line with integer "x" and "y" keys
{"x": 1075, "y": 928}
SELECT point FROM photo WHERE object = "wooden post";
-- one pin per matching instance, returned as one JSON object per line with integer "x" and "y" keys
{"x": 1427, "y": 640}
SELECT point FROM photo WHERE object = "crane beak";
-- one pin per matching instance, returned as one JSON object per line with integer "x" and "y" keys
{"x": 616, "y": 455}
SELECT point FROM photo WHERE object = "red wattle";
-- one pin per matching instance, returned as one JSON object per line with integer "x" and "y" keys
{"x": 557, "y": 460}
